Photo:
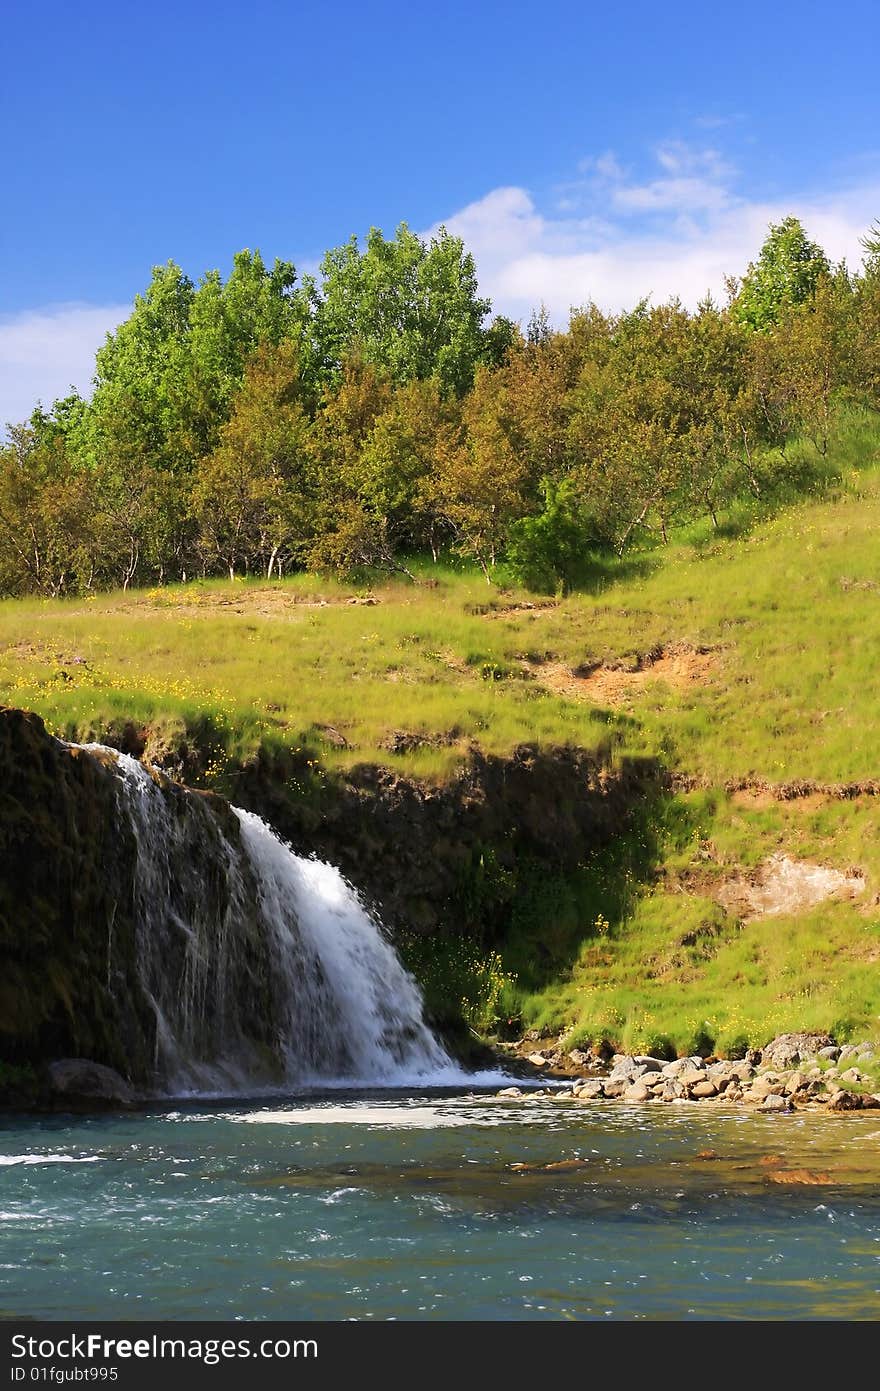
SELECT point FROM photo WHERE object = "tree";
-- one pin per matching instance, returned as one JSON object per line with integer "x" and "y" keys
{"x": 479, "y": 487}
{"x": 227, "y": 323}
{"x": 249, "y": 498}
{"x": 863, "y": 341}
{"x": 48, "y": 540}
{"x": 655, "y": 420}
{"x": 165, "y": 380}
{"x": 797, "y": 366}
{"x": 399, "y": 457}
{"x": 408, "y": 308}
{"x": 785, "y": 274}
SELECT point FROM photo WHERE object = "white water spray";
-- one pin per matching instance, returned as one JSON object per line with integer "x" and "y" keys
{"x": 280, "y": 947}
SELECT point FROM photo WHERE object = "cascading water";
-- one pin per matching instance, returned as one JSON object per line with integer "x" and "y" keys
{"x": 257, "y": 964}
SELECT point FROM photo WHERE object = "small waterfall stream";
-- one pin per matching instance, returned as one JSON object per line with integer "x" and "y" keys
{"x": 260, "y": 966}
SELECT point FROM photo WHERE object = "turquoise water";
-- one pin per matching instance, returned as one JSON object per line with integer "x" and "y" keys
{"x": 407, "y": 1207}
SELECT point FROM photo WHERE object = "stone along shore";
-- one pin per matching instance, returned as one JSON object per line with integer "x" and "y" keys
{"x": 793, "y": 1072}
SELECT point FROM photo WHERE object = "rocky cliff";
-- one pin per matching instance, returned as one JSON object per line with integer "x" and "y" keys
{"x": 71, "y": 982}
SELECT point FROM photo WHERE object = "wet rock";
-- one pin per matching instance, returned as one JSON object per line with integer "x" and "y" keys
{"x": 510, "y": 1091}
{"x": 775, "y": 1104}
{"x": 590, "y": 1090}
{"x": 87, "y": 1084}
{"x": 845, "y": 1101}
{"x": 538, "y": 1060}
{"x": 808, "y": 1177}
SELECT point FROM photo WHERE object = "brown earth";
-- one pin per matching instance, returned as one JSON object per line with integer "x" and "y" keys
{"x": 678, "y": 666}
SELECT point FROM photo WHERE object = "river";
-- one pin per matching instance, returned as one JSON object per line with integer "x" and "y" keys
{"x": 405, "y": 1205}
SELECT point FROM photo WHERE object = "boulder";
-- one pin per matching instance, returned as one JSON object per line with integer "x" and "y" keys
{"x": 590, "y": 1090}
{"x": 615, "y": 1086}
{"x": 851, "y": 1077}
{"x": 701, "y": 1091}
{"x": 775, "y": 1104}
{"x": 680, "y": 1065}
{"x": 627, "y": 1068}
{"x": 86, "y": 1084}
{"x": 638, "y": 1092}
{"x": 845, "y": 1101}
{"x": 786, "y": 1050}
{"x": 578, "y": 1058}
{"x": 767, "y": 1086}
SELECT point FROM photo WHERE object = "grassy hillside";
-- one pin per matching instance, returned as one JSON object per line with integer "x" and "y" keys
{"x": 745, "y": 659}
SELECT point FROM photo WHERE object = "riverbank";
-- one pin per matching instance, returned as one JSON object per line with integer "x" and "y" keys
{"x": 792, "y": 1072}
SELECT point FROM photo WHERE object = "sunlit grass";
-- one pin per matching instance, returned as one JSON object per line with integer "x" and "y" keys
{"x": 788, "y": 603}
{"x": 791, "y": 610}
{"x": 678, "y": 968}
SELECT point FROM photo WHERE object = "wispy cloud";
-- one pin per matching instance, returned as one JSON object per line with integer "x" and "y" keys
{"x": 609, "y": 235}
{"x": 46, "y": 351}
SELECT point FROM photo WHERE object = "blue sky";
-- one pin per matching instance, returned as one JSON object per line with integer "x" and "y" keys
{"x": 582, "y": 152}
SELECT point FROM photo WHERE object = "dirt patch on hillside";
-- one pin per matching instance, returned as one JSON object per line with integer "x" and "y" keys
{"x": 678, "y": 665}
{"x": 512, "y": 610}
{"x": 783, "y": 886}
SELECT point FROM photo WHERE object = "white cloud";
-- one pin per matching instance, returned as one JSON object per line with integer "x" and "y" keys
{"x": 615, "y": 239}
{"x": 43, "y": 352}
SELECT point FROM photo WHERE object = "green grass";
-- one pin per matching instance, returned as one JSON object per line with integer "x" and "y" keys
{"x": 791, "y": 610}
{"x": 676, "y": 966}
{"x": 789, "y": 605}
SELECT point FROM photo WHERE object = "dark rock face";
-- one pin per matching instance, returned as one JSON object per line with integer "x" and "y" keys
{"x": 67, "y": 945}
{"x": 414, "y": 849}
{"x": 77, "y": 979}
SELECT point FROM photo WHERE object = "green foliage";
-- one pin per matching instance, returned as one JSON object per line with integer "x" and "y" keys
{"x": 459, "y": 979}
{"x": 551, "y": 550}
{"x": 411, "y": 310}
{"x": 786, "y": 274}
{"x": 355, "y": 421}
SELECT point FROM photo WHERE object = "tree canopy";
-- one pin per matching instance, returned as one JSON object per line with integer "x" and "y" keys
{"x": 786, "y": 273}
{"x": 259, "y": 423}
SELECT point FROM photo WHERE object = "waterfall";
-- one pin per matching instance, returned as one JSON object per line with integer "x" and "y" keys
{"x": 259, "y": 966}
